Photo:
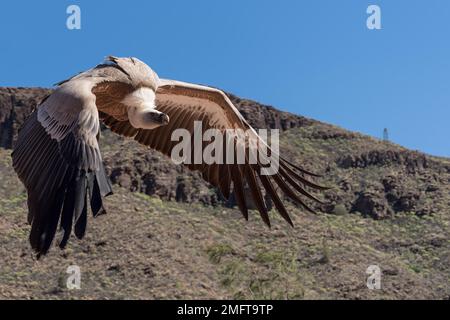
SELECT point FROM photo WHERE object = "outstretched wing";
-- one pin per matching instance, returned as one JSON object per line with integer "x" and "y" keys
{"x": 58, "y": 159}
{"x": 186, "y": 103}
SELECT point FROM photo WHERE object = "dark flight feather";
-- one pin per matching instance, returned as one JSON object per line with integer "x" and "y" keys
{"x": 60, "y": 178}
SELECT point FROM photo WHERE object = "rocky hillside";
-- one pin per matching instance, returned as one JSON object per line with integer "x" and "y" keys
{"x": 388, "y": 206}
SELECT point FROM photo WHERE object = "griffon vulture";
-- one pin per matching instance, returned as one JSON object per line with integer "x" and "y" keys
{"x": 57, "y": 155}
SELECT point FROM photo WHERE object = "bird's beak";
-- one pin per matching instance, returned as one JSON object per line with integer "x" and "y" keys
{"x": 160, "y": 118}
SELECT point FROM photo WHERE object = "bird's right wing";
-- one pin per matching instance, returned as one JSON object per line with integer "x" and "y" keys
{"x": 58, "y": 159}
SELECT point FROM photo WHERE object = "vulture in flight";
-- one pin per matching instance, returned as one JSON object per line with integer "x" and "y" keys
{"x": 58, "y": 159}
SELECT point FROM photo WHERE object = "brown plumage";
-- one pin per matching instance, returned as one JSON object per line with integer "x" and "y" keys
{"x": 58, "y": 159}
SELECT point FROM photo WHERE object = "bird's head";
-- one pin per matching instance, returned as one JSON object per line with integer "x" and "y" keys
{"x": 140, "y": 103}
{"x": 142, "y": 112}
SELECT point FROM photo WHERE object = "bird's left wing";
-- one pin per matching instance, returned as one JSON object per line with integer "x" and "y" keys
{"x": 186, "y": 103}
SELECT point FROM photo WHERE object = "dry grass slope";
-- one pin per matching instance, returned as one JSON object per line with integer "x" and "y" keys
{"x": 168, "y": 235}
{"x": 145, "y": 248}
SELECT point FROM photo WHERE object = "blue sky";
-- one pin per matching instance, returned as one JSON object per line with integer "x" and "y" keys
{"x": 315, "y": 58}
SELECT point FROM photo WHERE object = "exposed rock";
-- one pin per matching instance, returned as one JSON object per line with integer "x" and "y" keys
{"x": 263, "y": 117}
{"x": 413, "y": 161}
{"x": 407, "y": 202}
{"x": 432, "y": 188}
{"x": 373, "y": 205}
{"x": 400, "y": 197}
{"x": 335, "y": 134}
{"x": 181, "y": 192}
{"x": 15, "y": 105}
{"x": 425, "y": 211}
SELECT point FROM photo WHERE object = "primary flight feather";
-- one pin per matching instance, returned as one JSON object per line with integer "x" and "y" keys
{"x": 57, "y": 155}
